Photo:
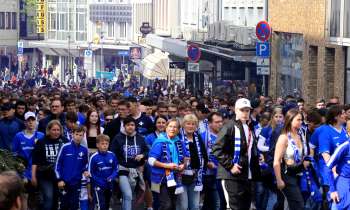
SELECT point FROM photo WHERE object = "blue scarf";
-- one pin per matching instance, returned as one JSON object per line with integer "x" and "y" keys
{"x": 171, "y": 143}
{"x": 237, "y": 150}
{"x": 188, "y": 170}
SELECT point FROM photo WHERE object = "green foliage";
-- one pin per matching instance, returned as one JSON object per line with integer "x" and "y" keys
{"x": 9, "y": 162}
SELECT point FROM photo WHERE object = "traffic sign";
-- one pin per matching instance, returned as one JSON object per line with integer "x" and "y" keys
{"x": 193, "y": 67}
{"x": 88, "y": 53}
{"x": 123, "y": 53}
{"x": 260, "y": 61}
{"x": 263, "y": 49}
{"x": 193, "y": 53}
{"x": 263, "y": 70}
{"x": 19, "y": 48}
{"x": 263, "y": 31}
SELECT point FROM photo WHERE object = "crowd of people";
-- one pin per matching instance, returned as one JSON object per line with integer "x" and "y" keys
{"x": 89, "y": 149}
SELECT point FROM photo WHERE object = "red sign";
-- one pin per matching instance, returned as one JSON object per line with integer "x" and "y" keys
{"x": 193, "y": 53}
{"x": 263, "y": 31}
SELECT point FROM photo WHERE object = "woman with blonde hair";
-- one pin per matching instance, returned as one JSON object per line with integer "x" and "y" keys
{"x": 44, "y": 158}
{"x": 195, "y": 155}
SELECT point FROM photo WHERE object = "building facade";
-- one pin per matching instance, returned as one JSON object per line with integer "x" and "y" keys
{"x": 9, "y": 10}
{"x": 338, "y": 33}
{"x": 303, "y": 62}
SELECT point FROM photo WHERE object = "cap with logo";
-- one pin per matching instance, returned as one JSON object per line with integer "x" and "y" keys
{"x": 28, "y": 115}
{"x": 242, "y": 103}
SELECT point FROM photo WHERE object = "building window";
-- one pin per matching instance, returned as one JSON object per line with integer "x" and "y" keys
{"x": 347, "y": 19}
{"x": 123, "y": 30}
{"x": 110, "y": 29}
{"x": 8, "y": 20}
{"x": 14, "y": 20}
{"x": 2, "y": 20}
{"x": 335, "y": 18}
{"x": 52, "y": 21}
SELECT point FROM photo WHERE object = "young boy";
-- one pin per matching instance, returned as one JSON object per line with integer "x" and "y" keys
{"x": 71, "y": 163}
{"x": 24, "y": 141}
{"x": 103, "y": 167}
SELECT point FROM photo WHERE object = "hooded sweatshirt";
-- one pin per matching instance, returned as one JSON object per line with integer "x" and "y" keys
{"x": 126, "y": 148}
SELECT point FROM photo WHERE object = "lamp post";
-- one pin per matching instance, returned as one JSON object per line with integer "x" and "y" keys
{"x": 101, "y": 57}
{"x": 69, "y": 66}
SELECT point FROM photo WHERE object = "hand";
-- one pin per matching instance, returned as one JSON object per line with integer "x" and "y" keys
{"x": 172, "y": 166}
{"x": 261, "y": 158}
{"x": 139, "y": 157}
{"x": 90, "y": 197}
{"x": 187, "y": 160}
{"x": 61, "y": 185}
{"x": 181, "y": 167}
{"x": 211, "y": 165}
{"x": 280, "y": 184}
{"x": 34, "y": 182}
{"x": 335, "y": 197}
{"x": 86, "y": 174}
{"x": 306, "y": 164}
{"x": 236, "y": 169}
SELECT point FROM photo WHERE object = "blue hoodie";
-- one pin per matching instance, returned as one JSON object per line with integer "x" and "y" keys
{"x": 103, "y": 166}
{"x": 157, "y": 153}
{"x": 72, "y": 161}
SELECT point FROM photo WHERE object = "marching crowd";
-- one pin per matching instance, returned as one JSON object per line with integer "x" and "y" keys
{"x": 85, "y": 149}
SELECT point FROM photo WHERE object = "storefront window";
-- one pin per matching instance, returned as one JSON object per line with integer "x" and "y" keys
{"x": 289, "y": 70}
{"x": 335, "y": 18}
{"x": 347, "y": 18}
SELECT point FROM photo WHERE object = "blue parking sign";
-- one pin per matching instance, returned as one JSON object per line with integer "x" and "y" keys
{"x": 263, "y": 49}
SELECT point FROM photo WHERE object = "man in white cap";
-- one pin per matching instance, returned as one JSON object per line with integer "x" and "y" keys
{"x": 237, "y": 153}
{"x": 24, "y": 142}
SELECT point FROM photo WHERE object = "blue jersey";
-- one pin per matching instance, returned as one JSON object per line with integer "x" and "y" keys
{"x": 314, "y": 140}
{"x": 103, "y": 168}
{"x": 209, "y": 139}
{"x": 150, "y": 138}
{"x": 340, "y": 159}
{"x": 23, "y": 147}
{"x": 72, "y": 161}
{"x": 330, "y": 139}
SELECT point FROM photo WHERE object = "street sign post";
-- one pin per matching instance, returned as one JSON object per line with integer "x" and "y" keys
{"x": 193, "y": 53}
{"x": 193, "y": 67}
{"x": 263, "y": 31}
{"x": 263, "y": 49}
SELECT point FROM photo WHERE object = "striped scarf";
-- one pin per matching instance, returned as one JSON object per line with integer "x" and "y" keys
{"x": 237, "y": 150}
{"x": 188, "y": 170}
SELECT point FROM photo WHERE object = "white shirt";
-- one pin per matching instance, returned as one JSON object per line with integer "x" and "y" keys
{"x": 246, "y": 132}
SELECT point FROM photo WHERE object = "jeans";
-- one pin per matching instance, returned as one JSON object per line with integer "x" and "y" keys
{"x": 49, "y": 192}
{"x": 167, "y": 197}
{"x": 189, "y": 199}
{"x": 262, "y": 196}
{"x": 211, "y": 194}
{"x": 127, "y": 190}
{"x": 292, "y": 192}
{"x": 69, "y": 197}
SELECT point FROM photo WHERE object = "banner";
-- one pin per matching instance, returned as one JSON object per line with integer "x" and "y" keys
{"x": 40, "y": 16}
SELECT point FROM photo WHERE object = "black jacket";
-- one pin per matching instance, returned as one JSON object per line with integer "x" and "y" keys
{"x": 44, "y": 122}
{"x": 113, "y": 128}
{"x": 223, "y": 150}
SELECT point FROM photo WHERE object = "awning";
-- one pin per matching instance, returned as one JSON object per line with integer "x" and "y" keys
{"x": 156, "y": 65}
{"x": 74, "y": 49}
{"x": 172, "y": 46}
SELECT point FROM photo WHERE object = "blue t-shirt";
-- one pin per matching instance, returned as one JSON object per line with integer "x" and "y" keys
{"x": 330, "y": 139}
{"x": 23, "y": 147}
{"x": 314, "y": 139}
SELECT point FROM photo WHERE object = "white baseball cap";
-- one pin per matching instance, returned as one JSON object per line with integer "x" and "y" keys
{"x": 27, "y": 115}
{"x": 242, "y": 103}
